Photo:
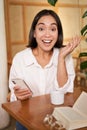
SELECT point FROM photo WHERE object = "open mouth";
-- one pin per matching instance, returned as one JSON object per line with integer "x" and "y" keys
{"x": 47, "y": 41}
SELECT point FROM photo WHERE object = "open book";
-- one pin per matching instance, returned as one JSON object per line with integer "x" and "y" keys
{"x": 73, "y": 117}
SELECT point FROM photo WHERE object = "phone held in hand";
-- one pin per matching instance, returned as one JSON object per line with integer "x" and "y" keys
{"x": 21, "y": 83}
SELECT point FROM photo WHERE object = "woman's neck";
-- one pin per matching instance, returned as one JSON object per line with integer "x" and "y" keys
{"x": 42, "y": 57}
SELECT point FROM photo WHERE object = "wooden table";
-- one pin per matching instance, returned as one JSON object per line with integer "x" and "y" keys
{"x": 32, "y": 112}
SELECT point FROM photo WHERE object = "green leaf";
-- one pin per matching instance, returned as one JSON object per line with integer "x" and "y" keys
{"x": 84, "y": 15}
{"x": 52, "y": 2}
{"x": 82, "y": 54}
{"x": 83, "y": 65}
{"x": 85, "y": 33}
{"x": 84, "y": 30}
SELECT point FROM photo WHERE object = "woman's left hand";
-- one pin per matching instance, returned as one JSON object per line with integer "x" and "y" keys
{"x": 74, "y": 42}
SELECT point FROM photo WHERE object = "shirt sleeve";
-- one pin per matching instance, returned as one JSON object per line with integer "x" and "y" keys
{"x": 13, "y": 97}
{"x": 69, "y": 86}
{"x": 13, "y": 74}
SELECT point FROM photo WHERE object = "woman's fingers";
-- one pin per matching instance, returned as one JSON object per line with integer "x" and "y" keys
{"x": 22, "y": 94}
{"x": 75, "y": 41}
{"x": 24, "y": 97}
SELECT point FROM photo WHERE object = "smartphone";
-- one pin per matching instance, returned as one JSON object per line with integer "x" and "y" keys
{"x": 20, "y": 83}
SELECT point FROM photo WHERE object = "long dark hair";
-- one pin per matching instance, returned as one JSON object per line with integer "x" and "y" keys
{"x": 32, "y": 41}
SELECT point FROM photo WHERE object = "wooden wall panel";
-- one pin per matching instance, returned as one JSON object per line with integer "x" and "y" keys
{"x": 70, "y": 21}
{"x": 16, "y": 23}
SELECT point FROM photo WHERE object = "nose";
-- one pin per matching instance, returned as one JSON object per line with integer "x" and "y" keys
{"x": 47, "y": 33}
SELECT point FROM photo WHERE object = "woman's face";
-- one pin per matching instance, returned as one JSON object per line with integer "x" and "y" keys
{"x": 46, "y": 33}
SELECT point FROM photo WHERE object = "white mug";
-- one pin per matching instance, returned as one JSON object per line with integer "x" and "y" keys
{"x": 57, "y": 97}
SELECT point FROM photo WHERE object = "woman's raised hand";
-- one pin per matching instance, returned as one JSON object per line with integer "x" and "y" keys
{"x": 73, "y": 43}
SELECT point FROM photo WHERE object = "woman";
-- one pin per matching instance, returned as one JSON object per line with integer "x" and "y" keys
{"x": 45, "y": 65}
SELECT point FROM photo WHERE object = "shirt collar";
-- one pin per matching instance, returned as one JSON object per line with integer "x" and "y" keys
{"x": 30, "y": 59}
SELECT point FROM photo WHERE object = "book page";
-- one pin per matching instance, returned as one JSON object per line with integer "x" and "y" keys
{"x": 70, "y": 114}
{"x": 80, "y": 104}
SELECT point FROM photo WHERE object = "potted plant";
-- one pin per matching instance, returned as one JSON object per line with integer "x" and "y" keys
{"x": 84, "y": 29}
{"x": 83, "y": 33}
{"x": 83, "y": 55}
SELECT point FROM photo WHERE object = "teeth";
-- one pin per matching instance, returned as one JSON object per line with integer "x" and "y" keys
{"x": 47, "y": 41}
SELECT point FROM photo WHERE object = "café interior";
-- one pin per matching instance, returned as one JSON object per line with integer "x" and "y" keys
{"x": 18, "y": 16}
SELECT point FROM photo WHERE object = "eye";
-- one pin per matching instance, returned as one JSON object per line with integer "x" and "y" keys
{"x": 53, "y": 29}
{"x": 41, "y": 29}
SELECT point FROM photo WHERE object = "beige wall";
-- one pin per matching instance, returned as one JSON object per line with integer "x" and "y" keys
{"x": 4, "y": 117}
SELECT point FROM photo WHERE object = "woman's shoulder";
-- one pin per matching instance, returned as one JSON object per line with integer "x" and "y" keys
{"x": 26, "y": 53}
{"x": 56, "y": 50}
{"x": 56, "y": 53}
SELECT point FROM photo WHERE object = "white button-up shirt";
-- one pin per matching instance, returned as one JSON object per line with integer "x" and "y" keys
{"x": 40, "y": 80}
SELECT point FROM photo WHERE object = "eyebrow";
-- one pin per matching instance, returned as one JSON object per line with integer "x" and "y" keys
{"x": 44, "y": 24}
